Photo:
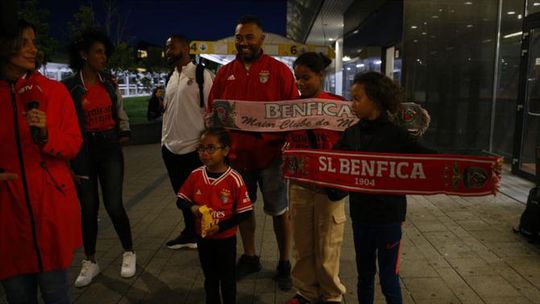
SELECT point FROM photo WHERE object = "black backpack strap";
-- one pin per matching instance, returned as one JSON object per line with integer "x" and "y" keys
{"x": 199, "y": 77}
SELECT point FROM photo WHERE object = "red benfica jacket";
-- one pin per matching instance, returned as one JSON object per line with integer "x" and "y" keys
{"x": 324, "y": 139}
{"x": 267, "y": 80}
{"x": 40, "y": 223}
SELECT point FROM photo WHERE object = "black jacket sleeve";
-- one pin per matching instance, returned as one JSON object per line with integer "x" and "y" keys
{"x": 235, "y": 220}
{"x": 182, "y": 204}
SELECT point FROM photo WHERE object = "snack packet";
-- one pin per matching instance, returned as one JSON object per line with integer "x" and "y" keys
{"x": 206, "y": 220}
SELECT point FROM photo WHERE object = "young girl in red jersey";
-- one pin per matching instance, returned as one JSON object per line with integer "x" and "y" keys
{"x": 219, "y": 188}
{"x": 317, "y": 217}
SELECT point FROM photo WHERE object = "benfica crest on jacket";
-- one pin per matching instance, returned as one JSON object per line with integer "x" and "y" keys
{"x": 264, "y": 75}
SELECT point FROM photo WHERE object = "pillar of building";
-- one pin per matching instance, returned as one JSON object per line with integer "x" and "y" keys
{"x": 339, "y": 66}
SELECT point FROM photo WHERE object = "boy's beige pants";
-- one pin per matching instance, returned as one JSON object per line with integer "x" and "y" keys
{"x": 317, "y": 229}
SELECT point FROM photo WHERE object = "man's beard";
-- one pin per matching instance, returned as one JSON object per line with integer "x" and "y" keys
{"x": 254, "y": 54}
{"x": 172, "y": 61}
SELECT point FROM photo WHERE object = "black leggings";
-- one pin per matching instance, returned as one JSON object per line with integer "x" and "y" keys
{"x": 179, "y": 167}
{"x": 218, "y": 258}
{"x": 107, "y": 166}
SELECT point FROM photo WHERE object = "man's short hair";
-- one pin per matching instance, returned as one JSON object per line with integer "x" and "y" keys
{"x": 181, "y": 38}
{"x": 250, "y": 19}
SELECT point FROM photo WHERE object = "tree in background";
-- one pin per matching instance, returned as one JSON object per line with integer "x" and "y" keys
{"x": 39, "y": 18}
{"x": 83, "y": 19}
{"x": 122, "y": 58}
{"x": 114, "y": 27}
{"x": 115, "y": 21}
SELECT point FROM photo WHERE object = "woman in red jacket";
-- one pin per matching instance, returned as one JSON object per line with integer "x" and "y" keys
{"x": 39, "y": 213}
{"x": 317, "y": 214}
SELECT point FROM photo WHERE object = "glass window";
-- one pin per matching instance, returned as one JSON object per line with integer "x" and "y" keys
{"x": 533, "y": 6}
{"x": 507, "y": 77}
{"x": 448, "y": 66}
{"x": 531, "y": 119}
{"x": 351, "y": 68}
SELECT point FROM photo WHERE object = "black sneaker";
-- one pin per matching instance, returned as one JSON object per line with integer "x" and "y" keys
{"x": 183, "y": 241}
{"x": 247, "y": 265}
{"x": 283, "y": 276}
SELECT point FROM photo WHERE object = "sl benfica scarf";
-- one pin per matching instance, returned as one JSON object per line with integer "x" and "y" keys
{"x": 383, "y": 173}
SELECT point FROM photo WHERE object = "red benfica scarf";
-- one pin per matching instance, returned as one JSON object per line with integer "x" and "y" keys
{"x": 399, "y": 174}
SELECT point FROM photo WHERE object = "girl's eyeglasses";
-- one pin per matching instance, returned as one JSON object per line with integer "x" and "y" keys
{"x": 208, "y": 149}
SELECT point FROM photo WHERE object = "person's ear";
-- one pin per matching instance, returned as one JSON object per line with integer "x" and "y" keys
{"x": 226, "y": 150}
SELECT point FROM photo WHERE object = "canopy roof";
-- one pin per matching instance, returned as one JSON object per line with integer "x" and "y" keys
{"x": 274, "y": 45}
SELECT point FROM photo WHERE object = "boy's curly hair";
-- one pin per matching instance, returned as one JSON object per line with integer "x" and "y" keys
{"x": 381, "y": 90}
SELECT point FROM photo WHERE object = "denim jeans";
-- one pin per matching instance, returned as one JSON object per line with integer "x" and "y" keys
{"x": 272, "y": 184}
{"x": 378, "y": 243}
{"x": 107, "y": 167}
{"x": 23, "y": 289}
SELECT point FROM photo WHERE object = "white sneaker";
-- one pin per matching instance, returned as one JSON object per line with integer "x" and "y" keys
{"x": 129, "y": 264}
{"x": 88, "y": 271}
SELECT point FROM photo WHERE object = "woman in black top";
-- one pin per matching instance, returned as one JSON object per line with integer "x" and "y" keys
{"x": 155, "y": 104}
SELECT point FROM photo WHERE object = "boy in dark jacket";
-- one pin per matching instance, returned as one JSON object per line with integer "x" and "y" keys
{"x": 377, "y": 218}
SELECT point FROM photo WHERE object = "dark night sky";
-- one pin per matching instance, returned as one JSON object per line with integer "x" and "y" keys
{"x": 153, "y": 21}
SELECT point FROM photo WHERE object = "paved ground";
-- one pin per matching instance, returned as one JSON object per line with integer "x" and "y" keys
{"x": 455, "y": 250}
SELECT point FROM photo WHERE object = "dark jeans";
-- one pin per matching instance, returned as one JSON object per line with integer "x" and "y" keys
{"x": 218, "y": 261}
{"x": 23, "y": 289}
{"x": 107, "y": 166}
{"x": 179, "y": 166}
{"x": 378, "y": 242}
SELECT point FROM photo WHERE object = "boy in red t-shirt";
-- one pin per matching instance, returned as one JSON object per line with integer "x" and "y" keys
{"x": 218, "y": 197}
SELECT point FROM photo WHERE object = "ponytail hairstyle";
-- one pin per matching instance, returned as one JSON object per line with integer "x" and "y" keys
{"x": 316, "y": 62}
{"x": 220, "y": 133}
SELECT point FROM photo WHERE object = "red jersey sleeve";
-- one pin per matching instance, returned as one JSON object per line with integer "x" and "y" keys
{"x": 243, "y": 203}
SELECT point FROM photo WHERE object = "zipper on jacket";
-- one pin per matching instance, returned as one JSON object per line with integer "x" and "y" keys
{"x": 24, "y": 181}
{"x": 56, "y": 185}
